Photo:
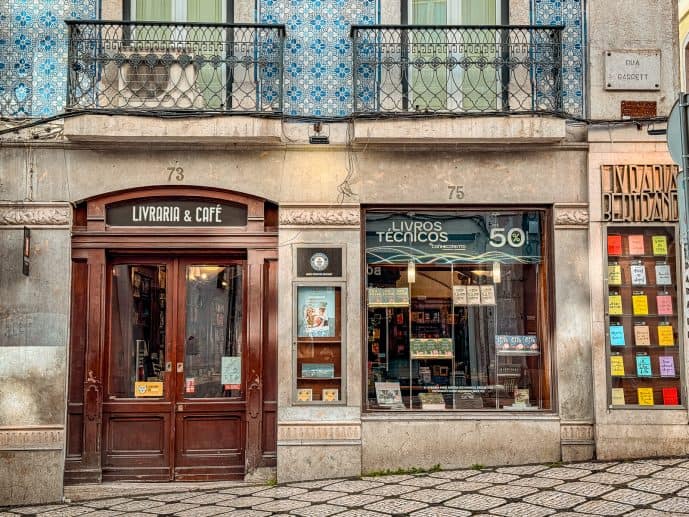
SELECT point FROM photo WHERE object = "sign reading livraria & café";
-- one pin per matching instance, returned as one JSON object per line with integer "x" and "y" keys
{"x": 175, "y": 212}
{"x": 639, "y": 193}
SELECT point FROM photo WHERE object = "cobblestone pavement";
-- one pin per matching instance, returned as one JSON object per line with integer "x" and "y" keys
{"x": 638, "y": 488}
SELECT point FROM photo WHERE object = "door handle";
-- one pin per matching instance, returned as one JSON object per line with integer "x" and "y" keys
{"x": 168, "y": 366}
{"x": 180, "y": 367}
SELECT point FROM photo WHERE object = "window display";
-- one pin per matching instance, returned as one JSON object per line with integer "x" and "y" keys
{"x": 318, "y": 361}
{"x": 456, "y": 311}
{"x": 642, "y": 323}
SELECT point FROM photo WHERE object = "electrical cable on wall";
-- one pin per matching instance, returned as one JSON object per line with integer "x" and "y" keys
{"x": 310, "y": 119}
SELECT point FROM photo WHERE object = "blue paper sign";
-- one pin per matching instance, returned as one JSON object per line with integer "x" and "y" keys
{"x": 616, "y": 335}
{"x": 643, "y": 366}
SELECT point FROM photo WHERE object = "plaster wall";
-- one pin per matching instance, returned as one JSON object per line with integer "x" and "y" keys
{"x": 319, "y": 441}
{"x": 632, "y": 25}
{"x": 545, "y": 175}
{"x": 34, "y": 323}
{"x": 624, "y": 433}
{"x": 424, "y": 441}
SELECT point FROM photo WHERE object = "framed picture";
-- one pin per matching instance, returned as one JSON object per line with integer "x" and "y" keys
{"x": 388, "y": 393}
{"x": 316, "y": 311}
{"x": 304, "y": 395}
{"x": 330, "y": 395}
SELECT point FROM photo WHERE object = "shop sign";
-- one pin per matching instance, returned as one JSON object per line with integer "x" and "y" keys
{"x": 452, "y": 238}
{"x": 632, "y": 70}
{"x": 175, "y": 212}
{"x": 639, "y": 193}
{"x": 319, "y": 262}
{"x": 148, "y": 389}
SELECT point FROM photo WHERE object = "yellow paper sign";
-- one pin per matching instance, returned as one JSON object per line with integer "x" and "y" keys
{"x": 645, "y": 396}
{"x": 616, "y": 366}
{"x": 659, "y": 245}
{"x": 614, "y": 274}
{"x": 148, "y": 389}
{"x": 640, "y": 304}
{"x": 617, "y": 397}
{"x": 615, "y": 304}
{"x": 666, "y": 335}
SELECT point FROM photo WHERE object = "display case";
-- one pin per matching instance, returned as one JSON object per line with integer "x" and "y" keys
{"x": 643, "y": 334}
{"x": 460, "y": 337}
{"x": 318, "y": 366}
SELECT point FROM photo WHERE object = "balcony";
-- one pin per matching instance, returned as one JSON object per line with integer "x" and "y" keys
{"x": 458, "y": 71}
{"x": 131, "y": 67}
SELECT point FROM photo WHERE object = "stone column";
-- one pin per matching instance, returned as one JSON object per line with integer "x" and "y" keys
{"x": 320, "y": 441}
{"x": 573, "y": 331}
{"x": 34, "y": 327}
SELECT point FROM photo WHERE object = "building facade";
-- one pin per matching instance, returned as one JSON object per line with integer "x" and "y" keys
{"x": 320, "y": 238}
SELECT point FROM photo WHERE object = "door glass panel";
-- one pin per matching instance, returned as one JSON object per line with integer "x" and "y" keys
{"x": 213, "y": 335}
{"x": 137, "y": 331}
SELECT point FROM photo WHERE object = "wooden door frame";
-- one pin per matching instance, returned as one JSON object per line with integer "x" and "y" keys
{"x": 93, "y": 241}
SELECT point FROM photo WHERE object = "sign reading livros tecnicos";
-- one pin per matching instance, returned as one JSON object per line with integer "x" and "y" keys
{"x": 175, "y": 212}
{"x": 632, "y": 70}
{"x": 639, "y": 193}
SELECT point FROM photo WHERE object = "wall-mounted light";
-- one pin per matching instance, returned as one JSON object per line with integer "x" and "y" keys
{"x": 318, "y": 137}
{"x": 497, "y": 273}
{"x": 411, "y": 272}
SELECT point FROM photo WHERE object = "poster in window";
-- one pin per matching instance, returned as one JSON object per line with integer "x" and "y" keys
{"x": 316, "y": 311}
{"x": 388, "y": 394}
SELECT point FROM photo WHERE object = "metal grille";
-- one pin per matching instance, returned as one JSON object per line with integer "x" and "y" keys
{"x": 153, "y": 66}
{"x": 460, "y": 69}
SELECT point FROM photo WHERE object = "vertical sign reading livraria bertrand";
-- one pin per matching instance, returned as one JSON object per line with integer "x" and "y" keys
{"x": 639, "y": 193}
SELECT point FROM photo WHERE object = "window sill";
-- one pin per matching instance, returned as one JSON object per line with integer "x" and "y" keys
{"x": 460, "y": 415}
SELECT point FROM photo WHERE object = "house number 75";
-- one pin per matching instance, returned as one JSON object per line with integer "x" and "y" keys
{"x": 177, "y": 171}
{"x": 456, "y": 192}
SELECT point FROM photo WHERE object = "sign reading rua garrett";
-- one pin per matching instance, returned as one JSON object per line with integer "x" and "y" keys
{"x": 639, "y": 193}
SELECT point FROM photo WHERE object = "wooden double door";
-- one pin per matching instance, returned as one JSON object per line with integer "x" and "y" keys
{"x": 177, "y": 358}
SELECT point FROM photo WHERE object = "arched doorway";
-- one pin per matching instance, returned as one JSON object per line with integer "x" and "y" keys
{"x": 173, "y": 336}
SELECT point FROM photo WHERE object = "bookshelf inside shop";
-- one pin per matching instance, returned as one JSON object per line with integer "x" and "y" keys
{"x": 643, "y": 334}
{"x": 318, "y": 370}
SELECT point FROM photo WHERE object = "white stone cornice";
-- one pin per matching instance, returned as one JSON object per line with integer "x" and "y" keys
{"x": 320, "y": 215}
{"x": 31, "y": 438}
{"x": 35, "y": 213}
{"x": 571, "y": 215}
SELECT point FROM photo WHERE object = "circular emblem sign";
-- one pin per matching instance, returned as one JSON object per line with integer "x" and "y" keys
{"x": 319, "y": 261}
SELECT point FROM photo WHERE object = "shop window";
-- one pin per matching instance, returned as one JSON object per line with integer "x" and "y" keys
{"x": 643, "y": 333}
{"x": 318, "y": 363}
{"x": 456, "y": 311}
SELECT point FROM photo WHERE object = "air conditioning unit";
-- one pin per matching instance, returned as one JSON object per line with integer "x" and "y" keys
{"x": 158, "y": 79}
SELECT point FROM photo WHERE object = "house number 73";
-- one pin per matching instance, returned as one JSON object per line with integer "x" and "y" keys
{"x": 178, "y": 172}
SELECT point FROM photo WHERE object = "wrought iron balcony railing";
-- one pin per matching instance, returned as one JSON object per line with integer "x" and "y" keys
{"x": 159, "y": 66}
{"x": 458, "y": 69}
